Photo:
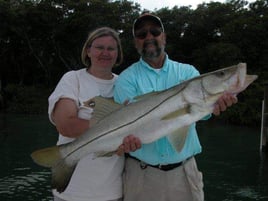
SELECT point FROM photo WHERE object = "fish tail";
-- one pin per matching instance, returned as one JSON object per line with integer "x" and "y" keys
{"x": 61, "y": 175}
{"x": 46, "y": 157}
{"x": 61, "y": 171}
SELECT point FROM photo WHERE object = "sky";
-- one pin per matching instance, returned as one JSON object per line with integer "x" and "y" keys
{"x": 152, "y": 4}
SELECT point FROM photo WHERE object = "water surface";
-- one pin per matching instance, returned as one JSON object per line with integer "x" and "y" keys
{"x": 20, "y": 178}
{"x": 232, "y": 166}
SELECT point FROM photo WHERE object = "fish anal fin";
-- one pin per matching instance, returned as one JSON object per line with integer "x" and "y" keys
{"x": 46, "y": 157}
{"x": 61, "y": 175}
{"x": 178, "y": 138}
{"x": 176, "y": 113}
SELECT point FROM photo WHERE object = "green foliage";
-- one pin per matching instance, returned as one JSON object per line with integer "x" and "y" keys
{"x": 41, "y": 40}
{"x": 248, "y": 109}
{"x": 217, "y": 55}
{"x": 26, "y": 99}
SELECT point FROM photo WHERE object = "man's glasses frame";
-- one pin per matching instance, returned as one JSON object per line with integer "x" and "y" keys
{"x": 142, "y": 33}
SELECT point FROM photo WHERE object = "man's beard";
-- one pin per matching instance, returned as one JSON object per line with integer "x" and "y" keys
{"x": 149, "y": 53}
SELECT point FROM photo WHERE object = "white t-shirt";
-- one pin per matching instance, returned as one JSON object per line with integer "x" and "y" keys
{"x": 96, "y": 179}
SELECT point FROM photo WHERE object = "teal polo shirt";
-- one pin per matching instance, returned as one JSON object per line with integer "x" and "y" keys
{"x": 139, "y": 79}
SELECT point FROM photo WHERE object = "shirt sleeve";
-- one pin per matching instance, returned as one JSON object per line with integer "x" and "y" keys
{"x": 124, "y": 89}
{"x": 191, "y": 72}
{"x": 68, "y": 87}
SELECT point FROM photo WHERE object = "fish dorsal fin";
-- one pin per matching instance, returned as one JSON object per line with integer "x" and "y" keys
{"x": 144, "y": 96}
{"x": 101, "y": 107}
{"x": 178, "y": 137}
{"x": 176, "y": 113}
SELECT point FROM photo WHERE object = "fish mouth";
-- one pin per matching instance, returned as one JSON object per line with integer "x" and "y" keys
{"x": 243, "y": 80}
{"x": 241, "y": 86}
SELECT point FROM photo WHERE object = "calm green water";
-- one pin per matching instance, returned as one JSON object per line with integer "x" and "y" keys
{"x": 233, "y": 168}
{"x": 20, "y": 178}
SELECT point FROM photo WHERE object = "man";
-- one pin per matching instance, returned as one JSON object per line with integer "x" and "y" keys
{"x": 156, "y": 171}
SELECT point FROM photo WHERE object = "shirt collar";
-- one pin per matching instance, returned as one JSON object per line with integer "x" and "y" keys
{"x": 164, "y": 68}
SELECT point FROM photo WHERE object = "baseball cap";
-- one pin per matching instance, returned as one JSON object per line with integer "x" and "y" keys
{"x": 146, "y": 16}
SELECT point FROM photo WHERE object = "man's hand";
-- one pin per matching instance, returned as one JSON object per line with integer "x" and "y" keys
{"x": 224, "y": 101}
{"x": 130, "y": 143}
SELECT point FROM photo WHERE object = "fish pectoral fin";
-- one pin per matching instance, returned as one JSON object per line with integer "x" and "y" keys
{"x": 46, "y": 157}
{"x": 101, "y": 107}
{"x": 176, "y": 113}
{"x": 178, "y": 138}
{"x": 61, "y": 175}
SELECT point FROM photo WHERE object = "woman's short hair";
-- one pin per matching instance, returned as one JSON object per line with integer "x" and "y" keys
{"x": 97, "y": 33}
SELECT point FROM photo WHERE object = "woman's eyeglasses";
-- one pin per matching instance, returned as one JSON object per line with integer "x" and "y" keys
{"x": 141, "y": 34}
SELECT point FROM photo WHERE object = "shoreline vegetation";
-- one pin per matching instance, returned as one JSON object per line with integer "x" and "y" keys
{"x": 33, "y": 101}
{"x": 41, "y": 40}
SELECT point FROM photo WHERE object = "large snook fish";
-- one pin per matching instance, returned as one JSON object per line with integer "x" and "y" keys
{"x": 152, "y": 116}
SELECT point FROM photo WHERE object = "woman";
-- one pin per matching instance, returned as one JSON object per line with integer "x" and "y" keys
{"x": 96, "y": 179}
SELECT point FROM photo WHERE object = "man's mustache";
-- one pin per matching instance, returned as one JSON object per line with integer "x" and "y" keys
{"x": 150, "y": 42}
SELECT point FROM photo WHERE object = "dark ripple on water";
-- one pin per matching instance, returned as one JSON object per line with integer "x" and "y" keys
{"x": 234, "y": 192}
{"x": 31, "y": 186}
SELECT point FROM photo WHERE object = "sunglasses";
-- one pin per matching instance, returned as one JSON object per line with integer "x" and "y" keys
{"x": 141, "y": 34}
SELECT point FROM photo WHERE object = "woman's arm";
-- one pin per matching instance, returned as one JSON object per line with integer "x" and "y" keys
{"x": 65, "y": 116}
